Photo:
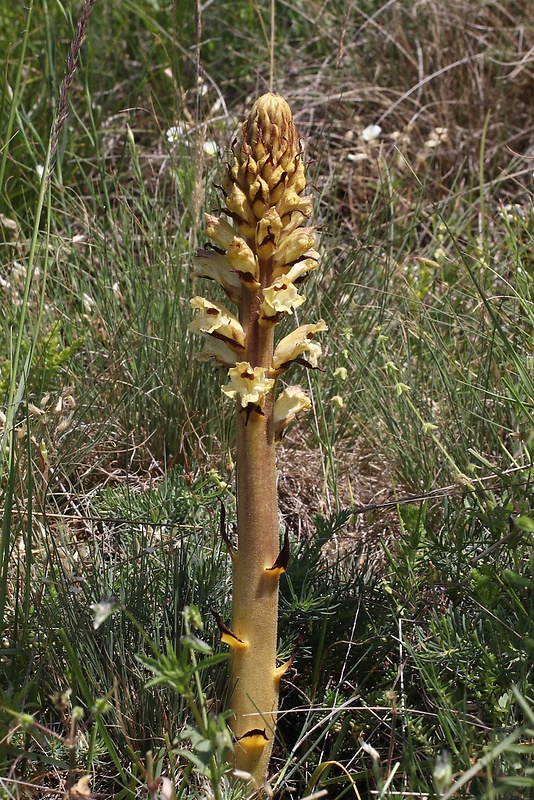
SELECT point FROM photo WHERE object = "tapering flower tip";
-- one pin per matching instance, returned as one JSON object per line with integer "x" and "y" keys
{"x": 288, "y": 404}
{"x": 248, "y": 384}
{"x": 298, "y": 342}
{"x": 267, "y": 233}
{"x": 267, "y": 170}
{"x": 270, "y": 130}
{"x": 220, "y": 231}
{"x": 215, "y": 319}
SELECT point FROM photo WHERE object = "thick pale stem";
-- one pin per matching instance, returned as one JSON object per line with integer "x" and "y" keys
{"x": 262, "y": 189}
{"x": 253, "y": 680}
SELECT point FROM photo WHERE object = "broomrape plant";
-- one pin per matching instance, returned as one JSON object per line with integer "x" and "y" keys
{"x": 259, "y": 258}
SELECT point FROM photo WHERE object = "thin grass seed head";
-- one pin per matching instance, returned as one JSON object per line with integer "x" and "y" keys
{"x": 260, "y": 255}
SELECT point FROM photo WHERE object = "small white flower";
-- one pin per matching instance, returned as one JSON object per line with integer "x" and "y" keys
{"x": 39, "y": 170}
{"x": 210, "y": 148}
{"x": 175, "y": 133}
{"x": 371, "y": 133}
{"x": 102, "y": 610}
{"x": 117, "y": 294}
{"x": 19, "y": 270}
{"x": 355, "y": 157}
{"x": 442, "y": 772}
{"x": 369, "y": 749}
{"x": 88, "y": 303}
{"x": 437, "y": 136}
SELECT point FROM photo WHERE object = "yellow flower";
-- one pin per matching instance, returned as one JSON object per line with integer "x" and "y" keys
{"x": 267, "y": 170}
{"x": 297, "y": 342}
{"x": 215, "y": 266}
{"x": 293, "y": 247}
{"x": 429, "y": 427}
{"x": 220, "y": 231}
{"x": 292, "y": 273}
{"x": 221, "y": 351}
{"x": 216, "y": 319}
{"x": 248, "y": 383}
{"x": 281, "y": 297}
{"x": 293, "y": 209}
{"x": 267, "y": 233}
{"x": 288, "y": 404}
{"x": 243, "y": 261}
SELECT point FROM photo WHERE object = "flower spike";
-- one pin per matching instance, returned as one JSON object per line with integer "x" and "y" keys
{"x": 260, "y": 255}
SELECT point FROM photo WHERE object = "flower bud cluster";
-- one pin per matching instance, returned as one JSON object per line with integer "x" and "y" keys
{"x": 259, "y": 258}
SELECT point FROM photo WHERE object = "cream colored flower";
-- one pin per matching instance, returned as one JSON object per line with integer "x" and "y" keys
{"x": 281, "y": 297}
{"x": 242, "y": 260}
{"x": 293, "y": 210}
{"x": 221, "y": 351}
{"x": 341, "y": 373}
{"x": 297, "y": 342}
{"x": 293, "y": 247}
{"x": 293, "y": 273}
{"x": 238, "y": 203}
{"x": 176, "y": 132}
{"x": 248, "y": 383}
{"x": 215, "y": 318}
{"x": 267, "y": 234}
{"x": 288, "y": 404}
{"x": 337, "y": 401}
{"x": 104, "y": 609}
{"x": 210, "y": 148}
{"x": 220, "y": 231}
{"x": 213, "y": 265}
{"x": 371, "y": 132}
